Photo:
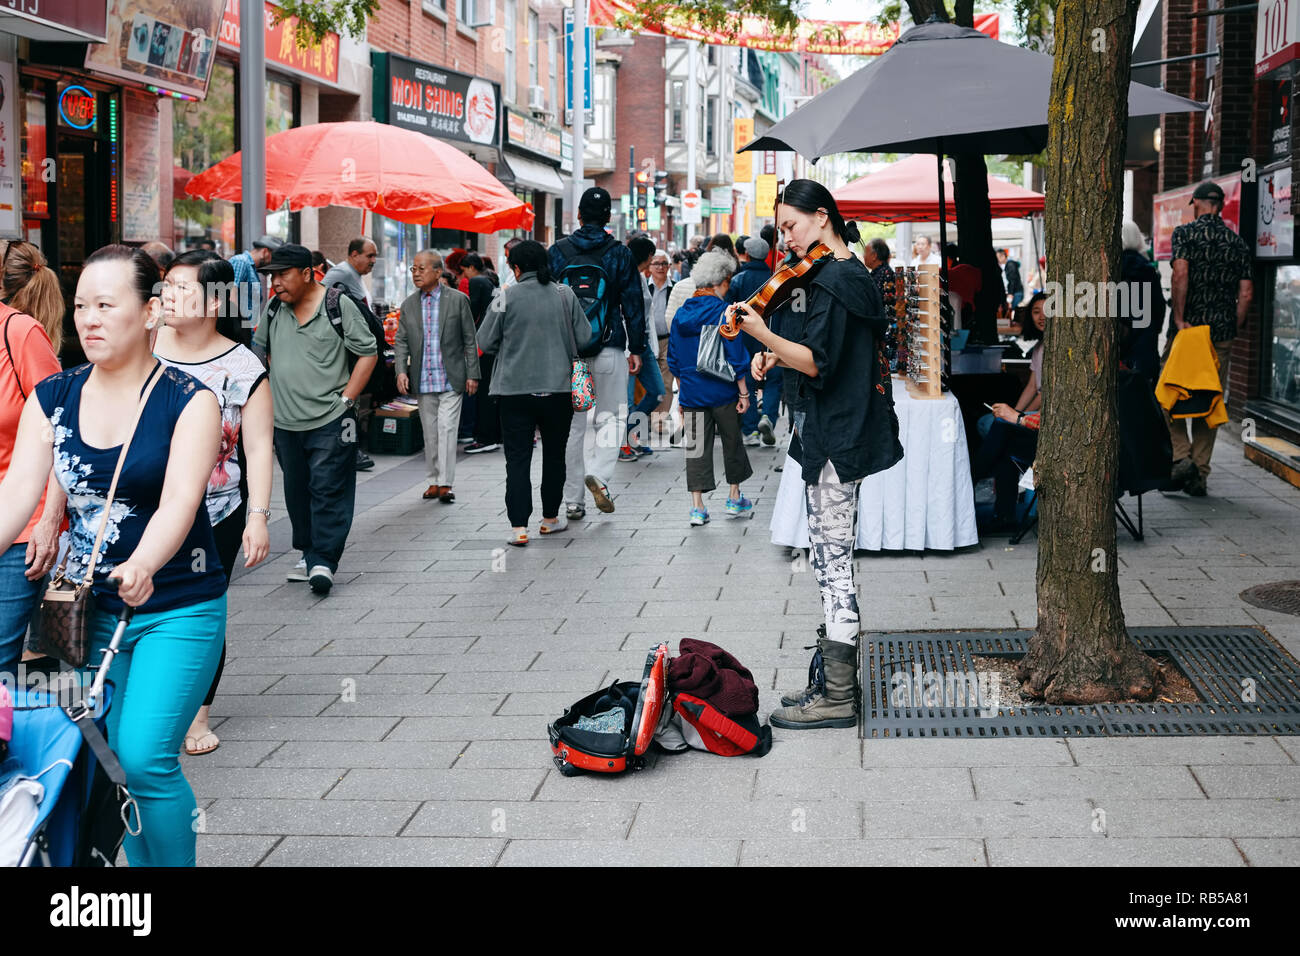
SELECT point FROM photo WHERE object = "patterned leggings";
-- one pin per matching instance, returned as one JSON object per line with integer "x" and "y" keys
{"x": 832, "y": 530}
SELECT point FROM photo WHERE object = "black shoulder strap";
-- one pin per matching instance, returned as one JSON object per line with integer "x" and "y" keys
{"x": 333, "y": 310}
{"x": 272, "y": 310}
{"x": 17, "y": 378}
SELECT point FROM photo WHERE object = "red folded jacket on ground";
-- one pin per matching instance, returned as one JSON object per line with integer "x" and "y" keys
{"x": 710, "y": 673}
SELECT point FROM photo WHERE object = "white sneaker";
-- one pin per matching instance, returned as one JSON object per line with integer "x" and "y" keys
{"x": 752, "y": 439}
{"x": 322, "y": 579}
{"x": 298, "y": 573}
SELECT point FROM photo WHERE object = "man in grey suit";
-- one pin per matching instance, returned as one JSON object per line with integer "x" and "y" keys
{"x": 436, "y": 357}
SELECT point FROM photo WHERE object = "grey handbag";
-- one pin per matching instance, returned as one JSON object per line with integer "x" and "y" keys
{"x": 711, "y": 360}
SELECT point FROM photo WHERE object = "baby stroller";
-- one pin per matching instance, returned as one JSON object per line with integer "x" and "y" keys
{"x": 83, "y": 808}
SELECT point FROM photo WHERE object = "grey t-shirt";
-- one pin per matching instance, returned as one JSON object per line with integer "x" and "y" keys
{"x": 351, "y": 279}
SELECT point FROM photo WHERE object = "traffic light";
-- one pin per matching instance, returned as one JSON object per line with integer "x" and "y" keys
{"x": 661, "y": 187}
{"x": 642, "y": 191}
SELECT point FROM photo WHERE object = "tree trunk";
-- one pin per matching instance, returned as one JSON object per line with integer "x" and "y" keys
{"x": 975, "y": 242}
{"x": 1081, "y": 652}
{"x": 921, "y": 10}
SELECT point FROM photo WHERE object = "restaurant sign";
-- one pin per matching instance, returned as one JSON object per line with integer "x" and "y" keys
{"x": 1174, "y": 208}
{"x": 441, "y": 103}
{"x": 320, "y": 60}
{"x": 525, "y": 134}
{"x": 1277, "y": 34}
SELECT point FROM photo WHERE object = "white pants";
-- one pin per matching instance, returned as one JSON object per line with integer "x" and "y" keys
{"x": 440, "y": 420}
{"x": 609, "y": 374}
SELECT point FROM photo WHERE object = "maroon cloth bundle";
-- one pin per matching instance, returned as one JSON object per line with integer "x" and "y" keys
{"x": 706, "y": 671}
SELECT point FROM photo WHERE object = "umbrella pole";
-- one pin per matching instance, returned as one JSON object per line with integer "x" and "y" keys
{"x": 943, "y": 222}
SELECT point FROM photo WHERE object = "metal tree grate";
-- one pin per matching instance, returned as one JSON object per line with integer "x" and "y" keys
{"x": 1281, "y": 596}
{"x": 926, "y": 685}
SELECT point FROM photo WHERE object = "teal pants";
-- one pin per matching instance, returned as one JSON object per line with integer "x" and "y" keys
{"x": 163, "y": 670}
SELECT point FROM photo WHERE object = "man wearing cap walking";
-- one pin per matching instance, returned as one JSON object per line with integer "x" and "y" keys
{"x": 246, "y": 265}
{"x": 314, "y": 397}
{"x": 625, "y": 308}
{"x": 1212, "y": 286}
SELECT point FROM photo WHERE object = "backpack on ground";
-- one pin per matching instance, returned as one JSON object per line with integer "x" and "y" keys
{"x": 593, "y": 736}
{"x": 382, "y": 386}
{"x": 584, "y": 273}
{"x": 702, "y": 726}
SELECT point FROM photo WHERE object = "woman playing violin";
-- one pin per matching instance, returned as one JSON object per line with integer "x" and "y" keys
{"x": 839, "y": 388}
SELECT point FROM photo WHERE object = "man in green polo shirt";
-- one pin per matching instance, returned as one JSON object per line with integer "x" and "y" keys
{"x": 314, "y": 396}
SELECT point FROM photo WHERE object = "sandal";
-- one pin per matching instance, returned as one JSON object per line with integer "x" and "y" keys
{"x": 518, "y": 538}
{"x": 192, "y": 744}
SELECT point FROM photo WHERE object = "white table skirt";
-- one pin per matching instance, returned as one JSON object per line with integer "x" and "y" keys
{"x": 924, "y": 502}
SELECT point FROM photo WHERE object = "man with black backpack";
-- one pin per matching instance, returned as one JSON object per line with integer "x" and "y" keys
{"x": 600, "y": 271}
{"x": 308, "y": 334}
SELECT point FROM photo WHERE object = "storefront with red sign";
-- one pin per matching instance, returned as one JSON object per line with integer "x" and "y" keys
{"x": 534, "y": 155}
{"x": 460, "y": 109}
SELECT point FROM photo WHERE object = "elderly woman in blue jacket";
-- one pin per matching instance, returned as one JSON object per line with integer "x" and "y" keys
{"x": 708, "y": 403}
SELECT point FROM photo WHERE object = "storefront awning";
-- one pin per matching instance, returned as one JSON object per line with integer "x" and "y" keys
{"x": 530, "y": 174}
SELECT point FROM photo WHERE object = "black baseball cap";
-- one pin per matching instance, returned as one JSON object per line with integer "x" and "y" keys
{"x": 288, "y": 256}
{"x": 1207, "y": 190}
{"x": 594, "y": 206}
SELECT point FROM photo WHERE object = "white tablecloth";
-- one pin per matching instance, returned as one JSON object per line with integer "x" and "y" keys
{"x": 925, "y": 501}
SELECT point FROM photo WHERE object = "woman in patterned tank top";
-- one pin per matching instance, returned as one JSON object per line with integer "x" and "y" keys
{"x": 158, "y": 543}
{"x": 198, "y": 308}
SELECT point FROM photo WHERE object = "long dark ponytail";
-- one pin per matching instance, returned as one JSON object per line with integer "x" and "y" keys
{"x": 810, "y": 196}
{"x": 530, "y": 256}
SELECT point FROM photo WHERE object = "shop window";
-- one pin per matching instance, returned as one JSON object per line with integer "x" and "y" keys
{"x": 512, "y": 16}
{"x": 553, "y": 63}
{"x": 36, "y": 169}
{"x": 710, "y": 118}
{"x": 1281, "y": 379}
{"x": 203, "y": 134}
{"x": 281, "y": 115}
{"x": 677, "y": 106}
{"x": 534, "y": 77}
{"x": 397, "y": 244}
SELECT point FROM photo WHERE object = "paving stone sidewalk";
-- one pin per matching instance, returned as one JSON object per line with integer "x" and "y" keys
{"x": 402, "y": 719}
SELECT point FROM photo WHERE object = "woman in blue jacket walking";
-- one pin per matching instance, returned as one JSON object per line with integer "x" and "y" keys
{"x": 710, "y": 404}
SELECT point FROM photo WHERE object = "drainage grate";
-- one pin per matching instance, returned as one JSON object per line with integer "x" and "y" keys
{"x": 926, "y": 685}
{"x": 1281, "y": 596}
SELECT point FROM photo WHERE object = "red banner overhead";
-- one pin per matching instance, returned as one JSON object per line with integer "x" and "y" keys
{"x": 810, "y": 36}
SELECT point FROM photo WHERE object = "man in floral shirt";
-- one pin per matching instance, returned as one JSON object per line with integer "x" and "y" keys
{"x": 1212, "y": 286}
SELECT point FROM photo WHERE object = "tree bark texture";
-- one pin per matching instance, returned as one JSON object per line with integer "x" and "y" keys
{"x": 1080, "y": 652}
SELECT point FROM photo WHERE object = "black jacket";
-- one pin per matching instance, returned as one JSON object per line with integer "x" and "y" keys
{"x": 1011, "y": 277}
{"x": 849, "y": 404}
{"x": 1139, "y": 334}
{"x": 749, "y": 278}
{"x": 627, "y": 289}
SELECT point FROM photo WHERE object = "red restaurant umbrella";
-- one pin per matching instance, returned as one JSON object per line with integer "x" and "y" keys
{"x": 908, "y": 191}
{"x": 392, "y": 172}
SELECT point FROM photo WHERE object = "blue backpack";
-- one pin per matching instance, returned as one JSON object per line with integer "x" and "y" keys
{"x": 584, "y": 273}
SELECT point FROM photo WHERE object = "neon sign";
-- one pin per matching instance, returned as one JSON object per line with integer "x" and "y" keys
{"x": 77, "y": 107}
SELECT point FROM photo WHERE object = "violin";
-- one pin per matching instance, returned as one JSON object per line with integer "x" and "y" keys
{"x": 779, "y": 289}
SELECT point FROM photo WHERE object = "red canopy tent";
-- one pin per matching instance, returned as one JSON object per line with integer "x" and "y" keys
{"x": 908, "y": 191}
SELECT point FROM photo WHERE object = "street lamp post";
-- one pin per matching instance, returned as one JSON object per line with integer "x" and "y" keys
{"x": 252, "y": 119}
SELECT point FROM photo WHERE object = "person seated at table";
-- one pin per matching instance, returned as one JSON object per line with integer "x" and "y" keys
{"x": 1006, "y": 436}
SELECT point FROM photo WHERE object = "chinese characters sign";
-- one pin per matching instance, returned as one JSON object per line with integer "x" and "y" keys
{"x": 320, "y": 60}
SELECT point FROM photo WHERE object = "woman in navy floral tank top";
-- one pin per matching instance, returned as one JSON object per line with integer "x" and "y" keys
{"x": 158, "y": 543}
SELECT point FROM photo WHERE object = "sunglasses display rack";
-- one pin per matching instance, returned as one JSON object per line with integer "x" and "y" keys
{"x": 891, "y": 336}
{"x": 924, "y": 325}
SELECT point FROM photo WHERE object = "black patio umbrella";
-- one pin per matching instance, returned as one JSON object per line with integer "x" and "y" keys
{"x": 940, "y": 89}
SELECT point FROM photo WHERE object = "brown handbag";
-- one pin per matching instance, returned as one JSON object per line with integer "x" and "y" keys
{"x": 60, "y": 625}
